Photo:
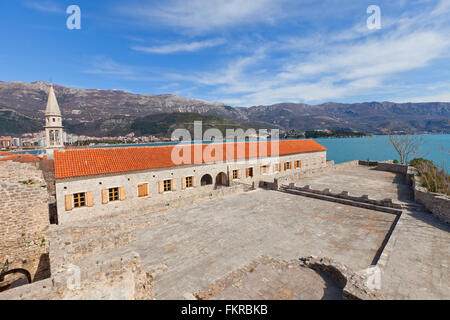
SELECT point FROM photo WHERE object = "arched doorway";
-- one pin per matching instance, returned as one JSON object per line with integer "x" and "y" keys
{"x": 221, "y": 179}
{"x": 206, "y": 180}
{"x": 14, "y": 278}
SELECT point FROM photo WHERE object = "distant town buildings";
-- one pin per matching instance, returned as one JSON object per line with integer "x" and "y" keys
{"x": 6, "y": 142}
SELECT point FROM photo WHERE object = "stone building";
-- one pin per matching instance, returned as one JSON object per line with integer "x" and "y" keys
{"x": 99, "y": 181}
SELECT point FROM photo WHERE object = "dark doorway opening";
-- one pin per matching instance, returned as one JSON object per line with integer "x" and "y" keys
{"x": 206, "y": 180}
{"x": 221, "y": 179}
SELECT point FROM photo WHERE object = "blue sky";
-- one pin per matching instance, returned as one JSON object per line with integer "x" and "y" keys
{"x": 238, "y": 52}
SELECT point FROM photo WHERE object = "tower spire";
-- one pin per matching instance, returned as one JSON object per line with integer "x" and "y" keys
{"x": 53, "y": 124}
{"x": 52, "y": 104}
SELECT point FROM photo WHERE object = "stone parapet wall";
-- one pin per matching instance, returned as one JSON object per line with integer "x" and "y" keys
{"x": 368, "y": 163}
{"x": 24, "y": 220}
{"x": 437, "y": 204}
{"x": 392, "y": 167}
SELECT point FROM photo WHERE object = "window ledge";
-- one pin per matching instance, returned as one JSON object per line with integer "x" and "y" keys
{"x": 79, "y": 208}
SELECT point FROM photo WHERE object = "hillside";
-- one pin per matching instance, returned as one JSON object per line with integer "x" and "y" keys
{"x": 158, "y": 125}
{"x": 164, "y": 124}
{"x": 13, "y": 123}
{"x": 111, "y": 112}
{"x": 86, "y": 105}
{"x": 371, "y": 117}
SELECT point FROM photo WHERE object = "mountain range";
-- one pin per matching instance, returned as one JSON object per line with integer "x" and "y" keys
{"x": 22, "y": 107}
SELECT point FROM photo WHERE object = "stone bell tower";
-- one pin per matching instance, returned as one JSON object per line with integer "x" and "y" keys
{"x": 53, "y": 125}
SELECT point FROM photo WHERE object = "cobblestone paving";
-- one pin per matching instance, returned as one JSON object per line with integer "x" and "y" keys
{"x": 206, "y": 241}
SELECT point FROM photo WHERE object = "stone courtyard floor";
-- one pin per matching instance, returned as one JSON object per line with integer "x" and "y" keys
{"x": 203, "y": 242}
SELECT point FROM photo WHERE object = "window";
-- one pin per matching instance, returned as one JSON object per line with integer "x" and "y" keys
{"x": 167, "y": 185}
{"x": 265, "y": 169}
{"x": 287, "y": 165}
{"x": 79, "y": 200}
{"x": 235, "y": 174}
{"x": 186, "y": 182}
{"x": 143, "y": 190}
{"x": 113, "y": 194}
{"x": 276, "y": 167}
{"x": 298, "y": 164}
{"x": 249, "y": 172}
{"x": 189, "y": 182}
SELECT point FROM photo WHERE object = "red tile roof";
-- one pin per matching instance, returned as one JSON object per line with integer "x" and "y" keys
{"x": 6, "y": 154}
{"x": 21, "y": 158}
{"x": 96, "y": 161}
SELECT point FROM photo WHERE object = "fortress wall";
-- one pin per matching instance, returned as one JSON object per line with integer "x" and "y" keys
{"x": 392, "y": 167}
{"x": 24, "y": 220}
{"x": 437, "y": 204}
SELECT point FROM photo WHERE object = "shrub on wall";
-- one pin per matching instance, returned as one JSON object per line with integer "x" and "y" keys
{"x": 433, "y": 179}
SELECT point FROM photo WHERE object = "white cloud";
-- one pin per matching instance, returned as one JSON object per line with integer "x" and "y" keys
{"x": 201, "y": 16}
{"x": 181, "y": 47}
{"x": 374, "y": 57}
{"x": 45, "y": 6}
{"x": 436, "y": 92}
{"x": 343, "y": 64}
{"x": 107, "y": 66}
{"x": 440, "y": 97}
